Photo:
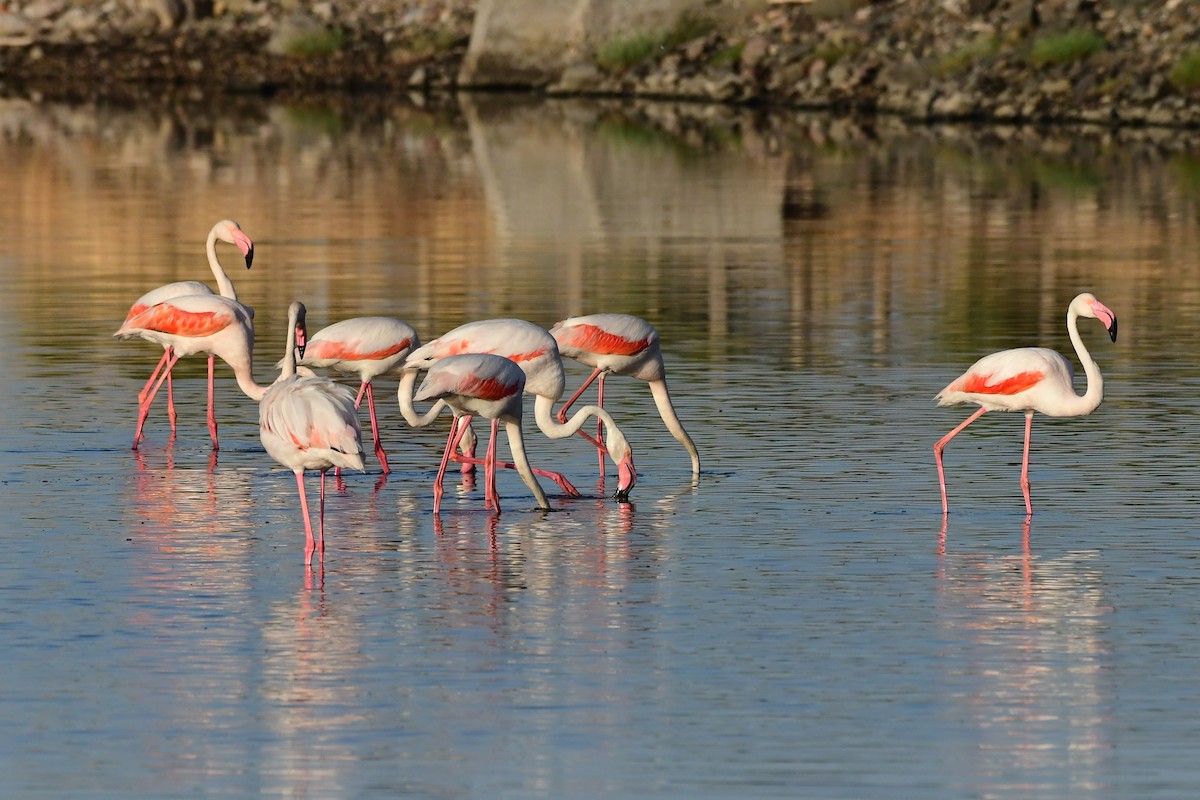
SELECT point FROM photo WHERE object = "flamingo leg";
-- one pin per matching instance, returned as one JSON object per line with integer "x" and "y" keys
{"x": 154, "y": 375}
{"x": 362, "y": 387}
{"x": 600, "y": 448}
{"x": 321, "y": 520}
{"x": 557, "y": 477}
{"x": 598, "y": 441}
{"x": 144, "y": 408}
{"x": 171, "y": 415}
{"x": 212, "y": 416}
{"x": 490, "y": 493}
{"x": 562, "y": 411}
{"x": 937, "y": 454}
{"x": 309, "y": 545}
{"x": 1025, "y": 465}
{"x": 451, "y": 443}
{"x": 382, "y": 456}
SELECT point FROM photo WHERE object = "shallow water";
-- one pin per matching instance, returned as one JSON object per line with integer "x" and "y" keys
{"x": 796, "y": 623}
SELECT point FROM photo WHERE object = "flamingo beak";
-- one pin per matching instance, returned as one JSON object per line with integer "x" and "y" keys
{"x": 245, "y": 245}
{"x": 301, "y": 339}
{"x": 1112, "y": 329}
{"x": 626, "y": 478}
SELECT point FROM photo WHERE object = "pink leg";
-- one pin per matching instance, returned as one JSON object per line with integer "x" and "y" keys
{"x": 144, "y": 408}
{"x": 362, "y": 387}
{"x": 154, "y": 375}
{"x": 489, "y": 471}
{"x": 451, "y": 442}
{"x": 321, "y": 520}
{"x": 309, "y": 545}
{"x": 598, "y": 441}
{"x": 1025, "y": 465}
{"x": 382, "y": 456}
{"x": 937, "y": 454}
{"x": 562, "y": 412}
{"x": 564, "y": 484}
{"x": 171, "y": 415}
{"x": 212, "y": 416}
{"x": 601, "y": 450}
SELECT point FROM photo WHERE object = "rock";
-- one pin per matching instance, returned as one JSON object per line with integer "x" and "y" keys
{"x": 754, "y": 51}
{"x": 43, "y": 9}
{"x": 16, "y": 30}
{"x": 582, "y": 76}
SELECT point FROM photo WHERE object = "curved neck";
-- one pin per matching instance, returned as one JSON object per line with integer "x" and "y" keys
{"x": 666, "y": 410}
{"x": 246, "y": 382}
{"x": 1091, "y": 398}
{"x": 516, "y": 444}
{"x": 408, "y": 381}
{"x": 543, "y": 412}
{"x": 224, "y": 285}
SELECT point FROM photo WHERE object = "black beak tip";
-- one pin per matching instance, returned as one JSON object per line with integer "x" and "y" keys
{"x": 1112, "y": 332}
{"x": 249, "y": 257}
{"x": 621, "y": 495}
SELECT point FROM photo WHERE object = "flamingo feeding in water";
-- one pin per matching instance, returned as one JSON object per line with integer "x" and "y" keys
{"x": 307, "y": 422}
{"x": 620, "y": 344}
{"x": 492, "y": 387}
{"x": 226, "y": 231}
{"x": 367, "y": 347}
{"x": 536, "y": 353}
{"x": 1029, "y": 379}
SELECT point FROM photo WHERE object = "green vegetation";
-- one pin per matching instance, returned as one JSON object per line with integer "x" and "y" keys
{"x": 1186, "y": 74}
{"x": 967, "y": 56}
{"x": 832, "y": 53}
{"x": 316, "y": 43}
{"x": 728, "y": 56}
{"x": 438, "y": 40}
{"x": 1066, "y": 47}
{"x": 623, "y": 52}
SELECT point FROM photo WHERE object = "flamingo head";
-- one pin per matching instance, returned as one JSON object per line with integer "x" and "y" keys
{"x": 1086, "y": 305}
{"x": 622, "y": 455}
{"x": 301, "y": 329}
{"x": 230, "y": 232}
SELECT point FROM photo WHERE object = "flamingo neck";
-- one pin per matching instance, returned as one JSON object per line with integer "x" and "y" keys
{"x": 662, "y": 399}
{"x": 252, "y": 389}
{"x": 1087, "y": 402}
{"x": 543, "y": 412}
{"x": 224, "y": 285}
{"x": 408, "y": 382}
{"x": 516, "y": 445}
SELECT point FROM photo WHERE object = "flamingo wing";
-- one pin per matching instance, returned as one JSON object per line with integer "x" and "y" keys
{"x": 604, "y": 334}
{"x": 311, "y": 422}
{"x": 1000, "y": 381}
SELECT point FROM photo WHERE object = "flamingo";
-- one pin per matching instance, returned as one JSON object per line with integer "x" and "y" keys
{"x": 620, "y": 344}
{"x": 1029, "y": 379}
{"x": 536, "y": 353}
{"x": 229, "y": 232}
{"x": 368, "y": 347}
{"x": 307, "y": 422}
{"x": 198, "y": 323}
{"x": 490, "y": 386}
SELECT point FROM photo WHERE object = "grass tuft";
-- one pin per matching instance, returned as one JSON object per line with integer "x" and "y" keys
{"x": 1076, "y": 44}
{"x": 1186, "y": 74}
{"x": 623, "y": 52}
{"x": 317, "y": 43}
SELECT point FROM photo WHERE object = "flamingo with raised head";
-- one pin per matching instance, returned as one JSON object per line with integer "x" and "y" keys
{"x": 198, "y": 323}
{"x": 492, "y": 387}
{"x": 307, "y": 422}
{"x": 368, "y": 347}
{"x": 1029, "y": 379}
{"x": 620, "y": 344}
{"x": 536, "y": 353}
{"x": 226, "y": 231}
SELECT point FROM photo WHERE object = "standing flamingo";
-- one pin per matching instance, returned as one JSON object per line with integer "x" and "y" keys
{"x": 198, "y": 323}
{"x": 490, "y": 386}
{"x": 229, "y": 232}
{"x": 308, "y": 422}
{"x": 367, "y": 347}
{"x": 620, "y": 344}
{"x": 536, "y": 353}
{"x": 1029, "y": 379}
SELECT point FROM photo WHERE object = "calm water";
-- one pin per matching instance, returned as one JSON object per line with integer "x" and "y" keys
{"x": 794, "y": 624}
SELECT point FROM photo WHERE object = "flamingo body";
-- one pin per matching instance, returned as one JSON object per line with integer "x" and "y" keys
{"x": 489, "y": 386}
{"x": 621, "y": 344}
{"x": 367, "y": 347}
{"x": 227, "y": 231}
{"x": 307, "y": 422}
{"x": 1029, "y": 379}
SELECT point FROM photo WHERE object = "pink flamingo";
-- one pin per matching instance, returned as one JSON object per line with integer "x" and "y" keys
{"x": 620, "y": 344}
{"x": 307, "y": 422}
{"x": 198, "y": 323}
{"x": 367, "y": 347}
{"x": 1029, "y": 379}
{"x": 229, "y": 232}
{"x": 536, "y": 353}
{"x": 490, "y": 386}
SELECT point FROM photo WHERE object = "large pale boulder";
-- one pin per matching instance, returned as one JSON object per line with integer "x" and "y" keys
{"x": 532, "y": 42}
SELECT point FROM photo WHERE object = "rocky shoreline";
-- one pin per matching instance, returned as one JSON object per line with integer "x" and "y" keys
{"x": 1106, "y": 63}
